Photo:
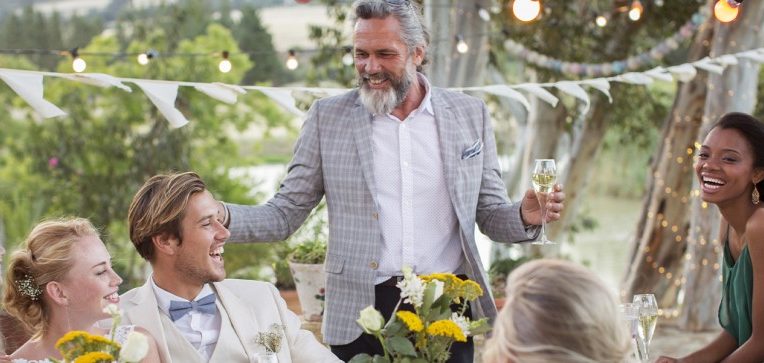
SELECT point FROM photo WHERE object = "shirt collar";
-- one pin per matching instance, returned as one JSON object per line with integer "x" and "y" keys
{"x": 164, "y": 297}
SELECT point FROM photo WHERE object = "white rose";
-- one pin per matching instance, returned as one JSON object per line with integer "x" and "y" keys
{"x": 112, "y": 309}
{"x": 135, "y": 348}
{"x": 371, "y": 320}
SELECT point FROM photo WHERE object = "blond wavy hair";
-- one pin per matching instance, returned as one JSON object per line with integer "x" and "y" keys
{"x": 45, "y": 256}
{"x": 557, "y": 311}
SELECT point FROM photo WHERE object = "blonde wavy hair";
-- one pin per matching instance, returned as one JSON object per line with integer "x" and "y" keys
{"x": 557, "y": 311}
{"x": 45, "y": 256}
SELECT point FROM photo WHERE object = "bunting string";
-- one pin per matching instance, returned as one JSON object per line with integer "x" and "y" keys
{"x": 29, "y": 86}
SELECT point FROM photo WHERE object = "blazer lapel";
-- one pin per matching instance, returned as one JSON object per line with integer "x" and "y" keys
{"x": 448, "y": 137}
{"x": 361, "y": 119}
{"x": 143, "y": 311}
{"x": 242, "y": 319}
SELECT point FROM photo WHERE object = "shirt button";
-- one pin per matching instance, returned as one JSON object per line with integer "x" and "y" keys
{"x": 375, "y": 215}
{"x": 373, "y": 265}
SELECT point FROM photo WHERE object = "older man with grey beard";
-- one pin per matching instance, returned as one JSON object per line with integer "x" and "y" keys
{"x": 407, "y": 170}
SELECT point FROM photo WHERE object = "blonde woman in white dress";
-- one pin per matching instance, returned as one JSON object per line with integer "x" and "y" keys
{"x": 60, "y": 281}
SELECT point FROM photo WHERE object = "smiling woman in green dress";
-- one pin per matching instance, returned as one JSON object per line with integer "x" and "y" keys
{"x": 730, "y": 169}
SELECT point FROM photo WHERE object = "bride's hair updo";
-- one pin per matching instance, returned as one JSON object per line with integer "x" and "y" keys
{"x": 45, "y": 256}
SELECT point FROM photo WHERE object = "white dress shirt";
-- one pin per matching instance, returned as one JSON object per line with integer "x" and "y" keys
{"x": 418, "y": 221}
{"x": 199, "y": 329}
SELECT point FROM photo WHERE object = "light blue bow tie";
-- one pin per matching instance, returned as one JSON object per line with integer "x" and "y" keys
{"x": 204, "y": 305}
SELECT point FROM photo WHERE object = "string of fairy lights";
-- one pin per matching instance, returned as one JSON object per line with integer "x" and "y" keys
{"x": 523, "y": 10}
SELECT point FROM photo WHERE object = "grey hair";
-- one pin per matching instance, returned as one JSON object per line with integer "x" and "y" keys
{"x": 558, "y": 311}
{"x": 413, "y": 32}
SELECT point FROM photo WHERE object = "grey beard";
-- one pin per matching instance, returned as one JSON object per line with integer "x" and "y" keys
{"x": 382, "y": 102}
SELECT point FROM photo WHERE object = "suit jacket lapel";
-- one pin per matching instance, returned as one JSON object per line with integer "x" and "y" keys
{"x": 448, "y": 136}
{"x": 360, "y": 119}
{"x": 145, "y": 314}
{"x": 242, "y": 319}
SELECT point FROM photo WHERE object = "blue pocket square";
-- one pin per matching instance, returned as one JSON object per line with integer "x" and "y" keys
{"x": 473, "y": 150}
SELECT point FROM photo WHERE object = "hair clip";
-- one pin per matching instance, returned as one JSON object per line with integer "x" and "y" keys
{"x": 29, "y": 288}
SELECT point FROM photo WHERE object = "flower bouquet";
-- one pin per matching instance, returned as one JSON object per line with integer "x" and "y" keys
{"x": 425, "y": 335}
{"x": 82, "y": 347}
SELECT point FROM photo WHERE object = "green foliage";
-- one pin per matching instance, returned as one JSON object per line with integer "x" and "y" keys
{"x": 332, "y": 44}
{"x": 500, "y": 269}
{"x": 254, "y": 39}
{"x": 91, "y": 162}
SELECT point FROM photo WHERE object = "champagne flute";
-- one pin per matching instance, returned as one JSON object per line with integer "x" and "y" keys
{"x": 648, "y": 318}
{"x": 630, "y": 317}
{"x": 543, "y": 176}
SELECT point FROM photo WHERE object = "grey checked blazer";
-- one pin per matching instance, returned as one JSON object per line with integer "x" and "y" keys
{"x": 333, "y": 158}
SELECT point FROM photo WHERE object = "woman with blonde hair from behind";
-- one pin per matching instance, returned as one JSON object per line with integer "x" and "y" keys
{"x": 60, "y": 280}
{"x": 557, "y": 311}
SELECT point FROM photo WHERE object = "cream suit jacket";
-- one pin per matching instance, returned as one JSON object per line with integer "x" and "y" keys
{"x": 249, "y": 307}
{"x": 333, "y": 158}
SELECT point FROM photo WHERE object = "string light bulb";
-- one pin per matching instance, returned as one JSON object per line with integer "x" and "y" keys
{"x": 483, "y": 13}
{"x": 526, "y": 10}
{"x": 635, "y": 13}
{"x": 145, "y": 58}
{"x": 601, "y": 21}
{"x": 461, "y": 46}
{"x": 726, "y": 10}
{"x": 347, "y": 58}
{"x": 78, "y": 64}
{"x": 291, "y": 62}
{"x": 225, "y": 64}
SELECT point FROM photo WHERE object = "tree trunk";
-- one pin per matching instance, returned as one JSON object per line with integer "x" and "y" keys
{"x": 734, "y": 90}
{"x": 446, "y": 19}
{"x": 659, "y": 244}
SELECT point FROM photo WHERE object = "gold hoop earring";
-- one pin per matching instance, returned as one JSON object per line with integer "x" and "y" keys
{"x": 755, "y": 195}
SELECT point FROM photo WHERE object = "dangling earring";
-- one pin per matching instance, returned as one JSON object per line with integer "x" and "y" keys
{"x": 755, "y": 195}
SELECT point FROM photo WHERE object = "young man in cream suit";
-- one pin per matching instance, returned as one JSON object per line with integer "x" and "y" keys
{"x": 195, "y": 314}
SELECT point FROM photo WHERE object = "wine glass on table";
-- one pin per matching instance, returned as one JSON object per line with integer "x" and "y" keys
{"x": 544, "y": 175}
{"x": 648, "y": 318}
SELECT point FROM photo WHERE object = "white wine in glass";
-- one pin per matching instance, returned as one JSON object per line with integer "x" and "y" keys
{"x": 544, "y": 175}
{"x": 648, "y": 318}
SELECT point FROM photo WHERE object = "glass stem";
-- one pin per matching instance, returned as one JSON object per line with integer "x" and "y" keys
{"x": 543, "y": 221}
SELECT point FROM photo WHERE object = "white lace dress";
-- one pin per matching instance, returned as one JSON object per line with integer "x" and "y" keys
{"x": 120, "y": 336}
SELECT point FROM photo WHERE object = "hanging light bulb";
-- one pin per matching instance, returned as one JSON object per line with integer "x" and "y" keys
{"x": 145, "y": 58}
{"x": 347, "y": 58}
{"x": 78, "y": 64}
{"x": 291, "y": 62}
{"x": 727, "y": 10}
{"x": 526, "y": 10}
{"x": 225, "y": 64}
{"x": 635, "y": 13}
{"x": 461, "y": 45}
{"x": 601, "y": 21}
{"x": 483, "y": 13}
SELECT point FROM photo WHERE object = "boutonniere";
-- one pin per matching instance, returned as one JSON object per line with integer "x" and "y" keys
{"x": 270, "y": 339}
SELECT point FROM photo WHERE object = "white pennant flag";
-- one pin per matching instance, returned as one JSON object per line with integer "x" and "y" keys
{"x": 29, "y": 87}
{"x": 683, "y": 72}
{"x": 539, "y": 92}
{"x": 707, "y": 65}
{"x": 634, "y": 78}
{"x": 660, "y": 73}
{"x": 755, "y": 55}
{"x": 100, "y": 80}
{"x": 601, "y": 84}
{"x": 283, "y": 97}
{"x": 505, "y": 91}
{"x": 727, "y": 60}
{"x": 221, "y": 92}
{"x": 576, "y": 91}
{"x": 163, "y": 95}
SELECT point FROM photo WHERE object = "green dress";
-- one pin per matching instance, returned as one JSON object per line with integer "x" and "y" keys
{"x": 735, "y": 310}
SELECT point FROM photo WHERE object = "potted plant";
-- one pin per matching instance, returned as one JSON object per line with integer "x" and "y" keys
{"x": 306, "y": 263}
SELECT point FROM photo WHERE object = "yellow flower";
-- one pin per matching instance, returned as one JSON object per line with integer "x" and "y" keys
{"x": 95, "y": 357}
{"x": 470, "y": 290}
{"x": 411, "y": 320}
{"x": 71, "y": 336}
{"x": 446, "y": 328}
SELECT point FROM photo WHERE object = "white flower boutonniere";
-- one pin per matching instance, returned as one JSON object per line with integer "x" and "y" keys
{"x": 270, "y": 339}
